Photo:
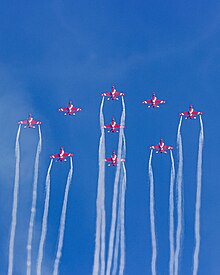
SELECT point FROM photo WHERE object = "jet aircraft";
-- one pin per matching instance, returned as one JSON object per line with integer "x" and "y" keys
{"x": 161, "y": 147}
{"x": 70, "y": 109}
{"x": 113, "y": 159}
{"x": 61, "y": 156}
{"x": 30, "y": 122}
{"x": 113, "y": 94}
{"x": 113, "y": 126}
{"x": 154, "y": 102}
{"x": 191, "y": 113}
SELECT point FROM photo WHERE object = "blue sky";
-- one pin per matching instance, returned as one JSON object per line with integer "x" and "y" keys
{"x": 54, "y": 51}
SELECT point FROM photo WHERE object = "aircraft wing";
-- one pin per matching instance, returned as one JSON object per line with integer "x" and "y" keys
{"x": 54, "y": 156}
{"x": 168, "y": 147}
{"x": 67, "y": 154}
{"x": 108, "y": 159}
{"x": 148, "y": 101}
{"x": 63, "y": 109}
{"x": 118, "y": 126}
{"x": 123, "y": 160}
{"x": 184, "y": 114}
{"x": 23, "y": 122}
{"x": 106, "y": 94}
{"x": 154, "y": 147}
{"x": 108, "y": 126}
{"x": 196, "y": 113}
{"x": 119, "y": 93}
{"x": 75, "y": 109}
{"x": 36, "y": 122}
{"x": 160, "y": 101}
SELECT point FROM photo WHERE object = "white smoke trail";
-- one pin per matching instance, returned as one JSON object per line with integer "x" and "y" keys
{"x": 117, "y": 240}
{"x": 171, "y": 199}
{"x": 152, "y": 218}
{"x": 122, "y": 221}
{"x": 115, "y": 194}
{"x": 198, "y": 200}
{"x": 63, "y": 221}
{"x": 100, "y": 204}
{"x": 179, "y": 199}
{"x": 44, "y": 223}
{"x": 120, "y": 231}
{"x": 102, "y": 188}
{"x": 15, "y": 204}
{"x": 33, "y": 206}
{"x": 103, "y": 236}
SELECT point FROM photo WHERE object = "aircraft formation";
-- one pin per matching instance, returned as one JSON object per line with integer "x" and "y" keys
{"x": 113, "y": 127}
{"x": 120, "y": 180}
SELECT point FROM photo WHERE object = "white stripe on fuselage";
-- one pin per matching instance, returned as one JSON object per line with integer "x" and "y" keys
{"x": 61, "y": 152}
{"x": 70, "y": 107}
{"x": 30, "y": 119}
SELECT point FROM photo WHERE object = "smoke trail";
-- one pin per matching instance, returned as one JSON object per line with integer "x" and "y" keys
{"x": 115, "y": 193}
{"x": 15, "y": 204}
{"x": 103, "y": 236}
{"x": 102, "y": 188}
{"x": 120, "y": 232}
{"x": 179, "y": 199}
{"x": 152, "y": 218}
{"x": 100, "y": 203}
{"x": 63, "y": 220}
{"x": 171, "y": 235}
{"x": 122, "y": 221}
{"x": 117, "y": 238}
{"x": 198, "y": 200}
{"x": 122, "y": 210}
{"x": 33, "y": 206}
{"x": 44, "y": 224}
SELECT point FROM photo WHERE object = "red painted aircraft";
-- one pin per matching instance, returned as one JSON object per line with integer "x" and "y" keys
{"x": 61, "y": 156}
{"x": 70, "y": 109}
{"x": 113, "y": 126}
{"x": 191, "y": 113}
{"x": 113, "y": 159}
{"x": 30, "y": 122}
{"x": 153, "y": 101}
{"x": 161, "y": 147}
{"x": 113, "y": 94}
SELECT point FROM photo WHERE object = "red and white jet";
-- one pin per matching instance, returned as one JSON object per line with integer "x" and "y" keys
{"x": 61, "y": 156}
{"x": 191, "y": 113}
{"x": 161, "y": 147}
{"x": 30, "y": 122}
{"x": 70, "y": 109}
{"x": 113, "y": 94}
{"x": 113, "y": 126}
{"x": 154, "y": 102}
{"x": 113, "y": 159}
